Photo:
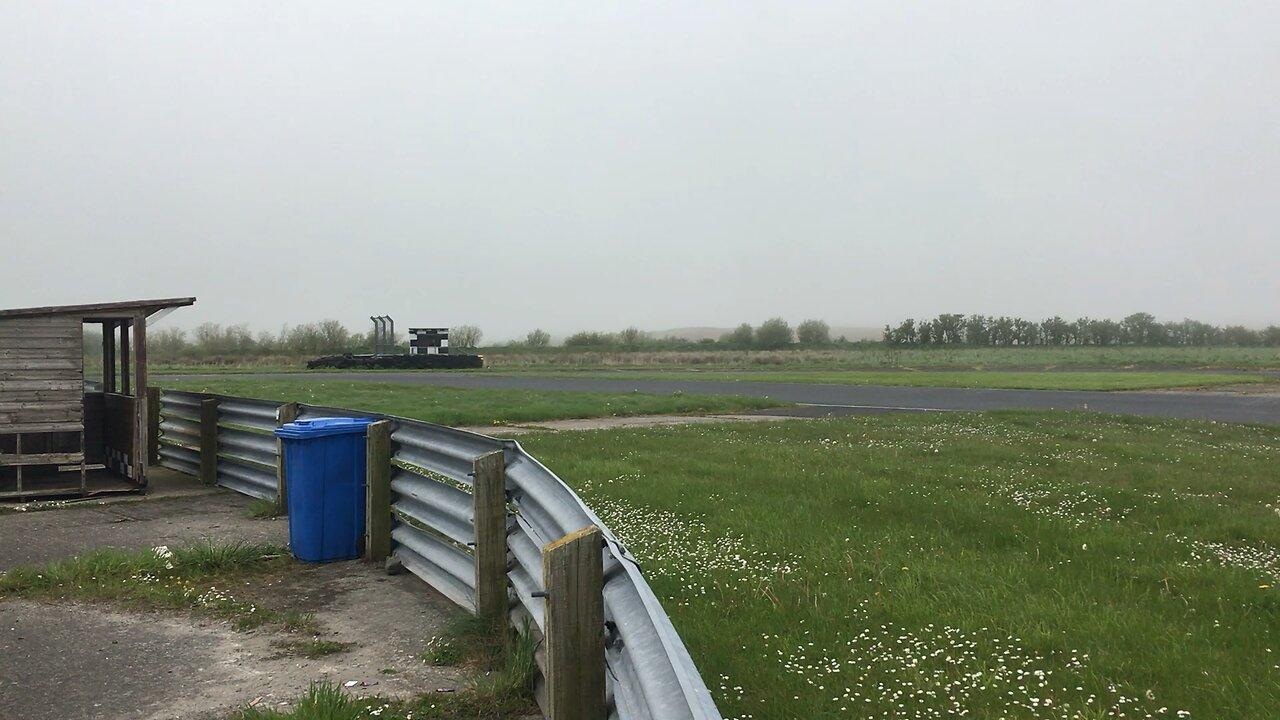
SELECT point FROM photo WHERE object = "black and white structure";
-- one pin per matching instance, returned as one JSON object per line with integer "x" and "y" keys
{"x": 429, "y": 341}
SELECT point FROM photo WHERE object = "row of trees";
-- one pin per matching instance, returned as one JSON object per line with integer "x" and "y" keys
{"x": 771, "y": 334}
{"x": 327, "y": 337}
{"x": 776, "y": 333}
{"x": 1137, "y": 329}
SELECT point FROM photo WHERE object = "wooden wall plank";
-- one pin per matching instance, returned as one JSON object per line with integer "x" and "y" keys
{"x": 41, "y": 363}
{"x": 76, "y": 385}
{"x": 32, "y": 396}
{"x": 40, "y": 428}
{"x": 25, "y": 349}
{"x": 40, "y": 375}
{"x": 26, "y": 417}
{"x": 33, "y": 332}
{"x": 71, "y": 402}
{"x": 37, "y": 342}
{"x": 38, "y": 325}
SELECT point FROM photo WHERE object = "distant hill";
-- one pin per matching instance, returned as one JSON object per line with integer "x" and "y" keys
{"x": 694, "y": 334}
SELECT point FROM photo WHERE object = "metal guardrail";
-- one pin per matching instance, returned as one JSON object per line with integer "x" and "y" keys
{"x": 247, "y": 449}
{"x": 180, "y": 431}
{"x": 247, "y": 454}
{"x": 649, "y": 673}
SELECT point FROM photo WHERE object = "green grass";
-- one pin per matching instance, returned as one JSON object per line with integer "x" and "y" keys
{"x": 442, "y": 652}
{"x": 193, "y": 578}
{"x": 861, "y": 357}
{"x": 1029, "y": 380}
{"x": 314, "y": 648}
{"x": 450, "y": 406}
{"x": 873, "y": 357}
{"x": 913, "y": 566}
{"x": 261, "y": 509}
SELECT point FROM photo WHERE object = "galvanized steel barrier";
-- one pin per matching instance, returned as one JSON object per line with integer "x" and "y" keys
{"x": 180, "y": 431}
{"x": 650, "y": 675}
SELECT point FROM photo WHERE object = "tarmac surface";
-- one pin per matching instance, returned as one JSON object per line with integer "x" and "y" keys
{"x": 822, "y": 400}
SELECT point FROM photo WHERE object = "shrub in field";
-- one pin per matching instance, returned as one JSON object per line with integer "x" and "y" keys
{"x": 774, "y": 333}
{"x": 814, "y": 332}
{"x": 537, "y": 338}
{"x": 589, "y": 339}
{"x": 465, "y": 336}
{"x": 742, "y": 336}
{"x": 631, "y": 338}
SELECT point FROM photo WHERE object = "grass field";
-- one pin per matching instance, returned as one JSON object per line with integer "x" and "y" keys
{"x": 868, "y": 357}
{"x": 450, "y": 406}
{"x": 874, "y": 357}
{"x": 1008, "y": 565}
{"x": 1028, "y": 380}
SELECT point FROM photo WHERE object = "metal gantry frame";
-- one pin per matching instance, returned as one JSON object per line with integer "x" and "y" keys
{"x": 384, "y": 334}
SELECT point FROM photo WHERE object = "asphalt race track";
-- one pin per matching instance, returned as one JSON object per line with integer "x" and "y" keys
{"x": 826, "y": 400}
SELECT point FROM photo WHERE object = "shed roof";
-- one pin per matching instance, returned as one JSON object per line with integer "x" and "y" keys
{"x": 128, "y": 307}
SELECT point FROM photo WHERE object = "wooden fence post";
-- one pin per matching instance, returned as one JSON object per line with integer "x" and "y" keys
{"x": 153, "y": 425}
{"x": 573, "y": 571}
{"x": 286, "y": 413}
{"x": 377, "y": 523}
{"x": 209, "y": 441}
{"x": 489, "y": 515}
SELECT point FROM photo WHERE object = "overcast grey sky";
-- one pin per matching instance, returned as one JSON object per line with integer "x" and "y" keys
{"x": 597, "y": 165}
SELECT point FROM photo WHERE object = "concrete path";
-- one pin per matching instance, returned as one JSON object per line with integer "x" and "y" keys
{"x": 610, "y": 423}
{"x": 101, "y": 662}
{"x": 827, "y": 400}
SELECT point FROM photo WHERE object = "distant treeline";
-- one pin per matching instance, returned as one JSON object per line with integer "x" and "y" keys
{"x": 1136, "y": 329}
{"x": 212, "y": 342}
{"x": 770, "y": 335}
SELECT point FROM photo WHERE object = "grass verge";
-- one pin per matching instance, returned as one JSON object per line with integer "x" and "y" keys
{"x": 1019, "y": 380}
{"x": 313, "y": 648}
{"x": 452, "y": 406}
{"x": 260, "y": 509}
{"x": 1011, "y": 565}
{"x": 193, "y": 578}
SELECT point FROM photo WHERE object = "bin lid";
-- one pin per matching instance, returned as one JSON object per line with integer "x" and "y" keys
{"x": 324, "y": 427}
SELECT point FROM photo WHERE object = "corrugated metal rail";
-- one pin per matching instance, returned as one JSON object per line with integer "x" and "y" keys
{"x": 649, "y": 672}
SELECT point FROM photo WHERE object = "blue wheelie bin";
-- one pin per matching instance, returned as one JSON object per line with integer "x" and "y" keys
{"x": 324, "y": 466}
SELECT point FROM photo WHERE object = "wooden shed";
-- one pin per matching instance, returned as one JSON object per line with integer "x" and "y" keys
{"x": 62, "y": 433}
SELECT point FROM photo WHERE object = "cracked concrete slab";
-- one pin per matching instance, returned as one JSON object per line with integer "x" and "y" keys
{"x": 99, "y": 662}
